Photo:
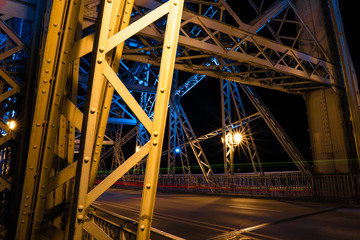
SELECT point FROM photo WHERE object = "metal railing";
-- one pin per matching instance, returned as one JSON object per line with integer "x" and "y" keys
{"x": 292, "y": 184}
{"x": 347, "y": 186}
{"x": 121, "y": 228}
{"x": 117, "y": 231}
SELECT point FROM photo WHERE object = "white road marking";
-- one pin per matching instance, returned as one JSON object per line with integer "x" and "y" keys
{"x": 258, "y": 209}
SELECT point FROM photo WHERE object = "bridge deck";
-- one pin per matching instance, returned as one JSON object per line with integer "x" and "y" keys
{"x": 194, "y": 216}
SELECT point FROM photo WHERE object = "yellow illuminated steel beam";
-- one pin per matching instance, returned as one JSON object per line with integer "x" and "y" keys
{"x": 159, "y": 122}
{"x": 41, "y": 163}
{"x": 117, "y": 174}
{"x": 122, "y": 10}
{"x": 49, "y": 162}
{"x": 24, "y": 224}
{"x": 91, "y": 114}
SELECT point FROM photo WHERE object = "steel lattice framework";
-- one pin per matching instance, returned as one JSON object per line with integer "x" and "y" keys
{"x": 82, "y": 94}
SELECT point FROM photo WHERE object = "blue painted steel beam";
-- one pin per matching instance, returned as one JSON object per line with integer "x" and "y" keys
{"x": 123, "y": 121}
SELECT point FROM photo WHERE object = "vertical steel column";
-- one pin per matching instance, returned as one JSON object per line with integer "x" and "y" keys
{"x": 348, "y": 71}
{"x": 52, "y": 78}
{"x": 177, "y": 144}
{"x": 325, "y": 115}
{"x": 92, "y": 114}
{"x": 26, "y": 115}
{"x": 171, "y": 156}
{"x": 55, "y": 128}
{"x": 160, "y": 113}
{"x": 225, "y": 121}
{"x": 145, "y": 99}
{"x": 113, "y": 58}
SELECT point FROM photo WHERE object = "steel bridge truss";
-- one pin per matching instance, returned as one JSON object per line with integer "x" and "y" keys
{"x": 273, "y": 60}
{"x": 90, "y": 89}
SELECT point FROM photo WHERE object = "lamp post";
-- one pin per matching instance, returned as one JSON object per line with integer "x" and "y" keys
{"x": 232, "y": 140}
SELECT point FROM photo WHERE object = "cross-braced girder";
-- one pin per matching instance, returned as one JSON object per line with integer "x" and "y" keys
{"x": 272, "y": 63}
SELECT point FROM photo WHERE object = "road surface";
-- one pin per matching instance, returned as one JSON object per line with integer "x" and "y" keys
{"x": 195, "y": 216}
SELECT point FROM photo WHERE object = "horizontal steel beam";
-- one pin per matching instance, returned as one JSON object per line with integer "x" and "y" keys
{"x": 260, "y": 59}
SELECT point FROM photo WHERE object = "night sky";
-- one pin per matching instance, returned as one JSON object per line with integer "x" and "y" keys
{"x": 349, "y": 15}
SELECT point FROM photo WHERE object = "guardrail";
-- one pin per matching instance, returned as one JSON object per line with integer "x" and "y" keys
{"x": 117, "y": 231}
{"x": 274, "y": 184}
{"x": 347, "y": 186}
{"x": 293, "y": 184}
{"x": 121, "y": 228}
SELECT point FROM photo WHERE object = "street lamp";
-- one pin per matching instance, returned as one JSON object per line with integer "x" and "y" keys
{"x": 237, "y": 138}
{"x": 177, "y": 150}
{"x": 12, "y": 124}
{"x": 233, "y": 139}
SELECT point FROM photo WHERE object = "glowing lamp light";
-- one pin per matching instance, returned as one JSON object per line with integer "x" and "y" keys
{"x": 233, "y": 139}
{"x": 228, "y": 138}
{"x": 237, "y": 138}
{"x": 12, "y": 124}
{"x": 177, "y": 150}
{"x": 137, "y": 148}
